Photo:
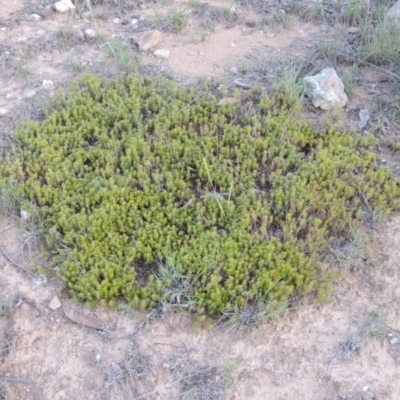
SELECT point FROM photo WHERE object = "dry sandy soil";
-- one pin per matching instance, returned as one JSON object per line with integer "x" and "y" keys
{"x": 346, "y": 349}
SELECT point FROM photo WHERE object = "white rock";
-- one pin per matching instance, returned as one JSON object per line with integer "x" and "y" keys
{"x": 40, "y": 32}
{"x": 116, "y": 21}
{"x": 394, "y": 12}
{"x": 25, "y": 215}
{"x": 326, "y": 90}
{"x": 55, "y": 303}
{"x": 135, "y": 23}
{"x": 162, "y": 53}
{"x": 3, "y": 111}
{"x": 48, "y": 85}
{"x": 90, "y": 33}
{"x": 64, "y": 6}
{"x": 34, "y": 17}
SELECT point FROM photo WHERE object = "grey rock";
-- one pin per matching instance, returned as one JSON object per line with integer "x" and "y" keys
{"x": 326, "y": 90}
{"x": 395, "y": 340}
{"x": 250, "y": 23}
{"x": 363, "y": 118}
{"x": 189, "y": 82}
{"x": 367, "y": 395}
{"x": 34, "y": 17}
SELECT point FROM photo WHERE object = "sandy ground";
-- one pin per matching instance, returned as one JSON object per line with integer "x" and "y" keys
{"x": 347, "y": 349}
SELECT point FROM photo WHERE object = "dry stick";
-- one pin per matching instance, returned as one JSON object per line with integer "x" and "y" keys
{"x": 12, "y": 262}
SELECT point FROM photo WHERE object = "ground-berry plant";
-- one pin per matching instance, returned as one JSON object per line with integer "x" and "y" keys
{"x": 151, "y": 192}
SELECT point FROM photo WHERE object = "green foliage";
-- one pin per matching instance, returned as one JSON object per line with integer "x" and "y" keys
{"x": 154, "y": 190}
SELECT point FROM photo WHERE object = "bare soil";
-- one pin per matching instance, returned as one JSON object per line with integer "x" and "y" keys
{"x": 346, "y": 349}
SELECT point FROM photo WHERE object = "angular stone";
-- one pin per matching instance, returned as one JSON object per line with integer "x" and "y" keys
{"x": 64, "y": 6}
{"x": 147, "y": 40}
{"x": 55, "y": 303}
{"x": 326, "y": 90}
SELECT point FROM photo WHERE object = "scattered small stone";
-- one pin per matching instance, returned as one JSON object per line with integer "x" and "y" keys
{"x": 90, "y": 33}
{"x": 162, "y": 53}
{"x": 34, "y": 17}
{"x": 48, "y": 84}
{"x": 3, "y": 111}
{"x": 147, "y": 40}
{"x": 250, "y": 23}
{"x": 395, "y": 340}
{"x": 326, "y": 90}
{"x": 55, "y": 304}
{"x": 353, "y": 29}
{"x": 116, "y": 21}
{"x": 64, "y": 6}
{"x": 270, "y": 35}
{"x": 233, "y": 70}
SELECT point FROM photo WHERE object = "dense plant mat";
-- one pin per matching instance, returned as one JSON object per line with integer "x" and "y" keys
{"x": 154, "y": 193}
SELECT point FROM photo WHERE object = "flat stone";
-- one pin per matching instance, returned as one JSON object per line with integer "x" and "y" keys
{"x": 55, "y": 303}
{"x": 147, "y": 40}
{"x": 64, "y": 6}
{"x": 3, "y": 111}
{"x": 189, "y": 82}
{"x": 162, "y": 53}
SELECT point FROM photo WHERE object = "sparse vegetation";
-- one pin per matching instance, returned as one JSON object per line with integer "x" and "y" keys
{"x": 173, "y": 21}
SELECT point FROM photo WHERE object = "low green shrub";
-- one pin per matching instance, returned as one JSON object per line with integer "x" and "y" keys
{"x": 146, "y": 189}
